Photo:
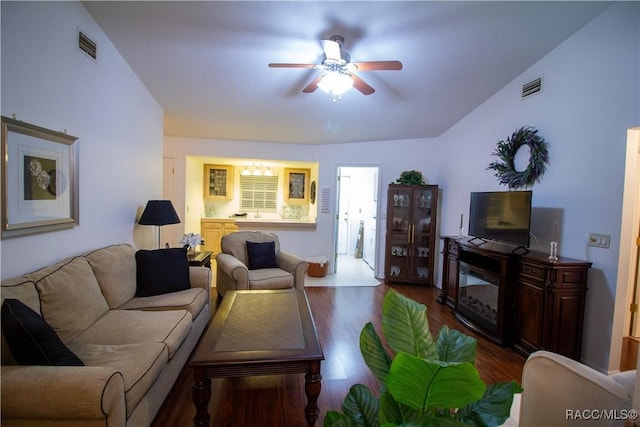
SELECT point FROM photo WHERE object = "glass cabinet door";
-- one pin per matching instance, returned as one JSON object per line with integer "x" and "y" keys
{"x": 411, "y": 212}
{"x": 421, "y": 232}
{"x": 401, "y": 200}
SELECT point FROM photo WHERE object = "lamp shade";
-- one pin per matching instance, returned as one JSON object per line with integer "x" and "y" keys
{"x": 159, "y": 212}
{"x": 335, "y": 83}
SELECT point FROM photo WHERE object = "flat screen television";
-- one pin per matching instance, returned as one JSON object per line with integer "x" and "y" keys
{"x": 504, "y": 216}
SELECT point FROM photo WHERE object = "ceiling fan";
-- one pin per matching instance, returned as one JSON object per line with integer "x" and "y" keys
{"x": 339, "y": 73}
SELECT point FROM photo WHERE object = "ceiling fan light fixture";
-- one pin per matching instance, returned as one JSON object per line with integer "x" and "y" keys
{"x": 335, "y": 83}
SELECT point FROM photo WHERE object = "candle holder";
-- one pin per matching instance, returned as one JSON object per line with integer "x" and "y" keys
{"x": 460, "y": 233}
{"x": 553, "y": 252}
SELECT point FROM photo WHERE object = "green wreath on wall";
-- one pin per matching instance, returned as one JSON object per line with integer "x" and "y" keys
{"x": 506, "y": 151}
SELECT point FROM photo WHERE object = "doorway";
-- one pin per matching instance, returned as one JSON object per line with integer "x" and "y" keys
{"x": 624, "y": 339}
{"x": 356, "y": 218}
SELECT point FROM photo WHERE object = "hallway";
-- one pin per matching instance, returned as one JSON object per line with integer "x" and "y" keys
{"x": 351, "y": 271}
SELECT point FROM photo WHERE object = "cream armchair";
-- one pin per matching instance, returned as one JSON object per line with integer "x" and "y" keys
{"x": 237, "y": 267}
{"x": 559, "y": 391}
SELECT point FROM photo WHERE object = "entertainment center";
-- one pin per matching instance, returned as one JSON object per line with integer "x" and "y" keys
{"x": 515, "y": 298}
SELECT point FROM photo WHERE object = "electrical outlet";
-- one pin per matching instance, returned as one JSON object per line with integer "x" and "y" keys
{"x": 599, "y": 240}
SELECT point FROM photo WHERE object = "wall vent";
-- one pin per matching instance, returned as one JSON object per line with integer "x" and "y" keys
{"x": 87, "y": 45}
{"x": 532, "y": 87}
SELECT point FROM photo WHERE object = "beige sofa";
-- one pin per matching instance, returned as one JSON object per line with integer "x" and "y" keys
{"x": 133, "y": 347}
{"x": 558, "y": 391}
{"x": 234, "y": 270}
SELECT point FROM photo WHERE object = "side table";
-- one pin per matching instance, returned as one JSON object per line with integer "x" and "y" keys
{"x": 200, "y": 259}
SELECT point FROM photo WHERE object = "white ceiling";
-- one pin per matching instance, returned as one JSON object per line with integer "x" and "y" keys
{"x": 205, "y": 62}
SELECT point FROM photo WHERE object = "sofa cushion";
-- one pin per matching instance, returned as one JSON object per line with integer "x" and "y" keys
{"x": 135, "y": 326}
{"x": 270, "y": 278}
{"x": 25, "y": 290}
{"x": 193, "y": 300}
{"x": 31, "y": 340}
{"x": 115, "y": 270}
{"x": 261, "y": 255}
{"x": 161, "y": 271}
{"x": 70, "y": 297}
{"x": 139, "y": 364}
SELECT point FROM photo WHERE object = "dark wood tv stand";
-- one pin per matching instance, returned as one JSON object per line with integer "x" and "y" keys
{"x": 514, "y": 298}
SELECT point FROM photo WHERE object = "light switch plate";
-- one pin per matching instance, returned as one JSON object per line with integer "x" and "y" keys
{"x": 599, "y": 240}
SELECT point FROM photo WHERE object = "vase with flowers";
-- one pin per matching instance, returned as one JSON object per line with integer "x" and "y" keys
{"x": 190, "y": 241}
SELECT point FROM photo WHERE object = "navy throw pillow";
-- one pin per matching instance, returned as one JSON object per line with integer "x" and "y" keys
{"x": 161, "y": 271}
{"x": 261, "y": 255}
{"x": 30, "y": 338}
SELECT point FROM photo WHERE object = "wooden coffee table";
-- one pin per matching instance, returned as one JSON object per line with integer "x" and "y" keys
{"x": 254, "y": 333}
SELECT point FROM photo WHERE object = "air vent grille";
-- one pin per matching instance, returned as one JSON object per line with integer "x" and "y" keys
{"x": 532, "y": 87}
{"x": 87, "y": 45}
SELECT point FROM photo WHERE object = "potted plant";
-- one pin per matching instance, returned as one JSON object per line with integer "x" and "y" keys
{"x": 412, "y": 177}
{"x": 427, "y": 382}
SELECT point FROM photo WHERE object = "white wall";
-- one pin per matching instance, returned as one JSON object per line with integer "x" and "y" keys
{"x": 47, "y": 81}
{"x": 591, "y": 95}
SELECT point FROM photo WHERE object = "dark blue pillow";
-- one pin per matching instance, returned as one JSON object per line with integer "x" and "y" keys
{"x": 261, "y": 255}
{"x": 161, "y": 271}
{"x": 30, "y": 338}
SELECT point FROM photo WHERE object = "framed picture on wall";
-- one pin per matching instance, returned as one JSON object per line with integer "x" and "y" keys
{"x": 39, "y": 179}
{"x": 296, "y": 183}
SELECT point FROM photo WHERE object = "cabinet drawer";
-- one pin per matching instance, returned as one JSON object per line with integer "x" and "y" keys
{"x": 571, "y": 277}
{"x": 212, "y": 225}
{"x": 531, "y": 271}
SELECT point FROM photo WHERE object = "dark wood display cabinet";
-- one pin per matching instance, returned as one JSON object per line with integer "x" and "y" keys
{"x": 411, "y": 237}
{"x": 519, "y": 299}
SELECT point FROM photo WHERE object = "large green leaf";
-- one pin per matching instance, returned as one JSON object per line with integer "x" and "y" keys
{"x": 405, "y": 326}
{"x": 361, "y": 406}
{"x": 494, "y": 407}
{"x": 454, "y": 346}
{"x": 429, "y": 422}
{"x": 374, "y": 353}
{"x": 397, "y": 413}
{"x": 336, "y": 419}
{"x": 425, "y": 384}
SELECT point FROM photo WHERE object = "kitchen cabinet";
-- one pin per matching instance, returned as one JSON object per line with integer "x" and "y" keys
{"x": 296, "y": 185}
{"x": 218, "y": 182}
{"x": 212, "y": 230}
{"x": 411, "y": 237}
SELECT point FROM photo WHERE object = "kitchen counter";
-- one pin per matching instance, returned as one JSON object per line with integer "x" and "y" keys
{"x": 246, "y": 223}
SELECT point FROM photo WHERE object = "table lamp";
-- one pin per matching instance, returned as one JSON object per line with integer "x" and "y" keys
{"x": 159, "y": 212}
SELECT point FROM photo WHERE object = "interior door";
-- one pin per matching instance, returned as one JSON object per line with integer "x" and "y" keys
{"x": 343, "y": 214}
{"x": 356, "y": 217}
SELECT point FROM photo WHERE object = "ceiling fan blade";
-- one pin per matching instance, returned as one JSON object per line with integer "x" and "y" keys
{"x": 311, "y": 87}
{"x": 361, "y": 85}
{"x": 378, "y": 65}
{"x": 272, "y": 65}
{"x": 331, "y": 49}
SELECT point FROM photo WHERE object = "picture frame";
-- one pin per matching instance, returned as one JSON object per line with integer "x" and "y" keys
{"x": 296, "y": 185}
{"x": 39, "y": 179}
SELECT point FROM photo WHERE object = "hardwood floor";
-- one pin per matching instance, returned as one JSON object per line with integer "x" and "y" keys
{"x": 339, "y": 314}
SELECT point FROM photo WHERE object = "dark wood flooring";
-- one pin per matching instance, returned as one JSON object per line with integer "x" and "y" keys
{"x": 339, "y": 314}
